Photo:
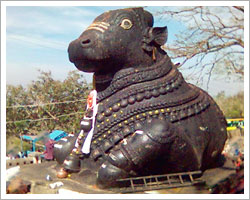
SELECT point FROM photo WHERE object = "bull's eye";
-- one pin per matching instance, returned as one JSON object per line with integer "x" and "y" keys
{"x": 126, "y": 24}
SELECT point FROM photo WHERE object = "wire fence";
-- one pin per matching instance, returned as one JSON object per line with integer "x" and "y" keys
{"x": 43, "y": 105}
{"x": 40, "y": 119}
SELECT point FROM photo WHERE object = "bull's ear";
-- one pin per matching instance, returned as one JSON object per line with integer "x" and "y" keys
{"x": 159, "y": 35}
{"x": 154, "y": 36}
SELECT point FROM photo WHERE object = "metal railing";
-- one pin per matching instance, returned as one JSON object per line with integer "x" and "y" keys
{"x": 157, "y": 182}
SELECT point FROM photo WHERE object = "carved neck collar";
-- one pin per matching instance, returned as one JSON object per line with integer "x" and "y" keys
{"x": 129, "y": 76}
{"x": 103, "y": 78}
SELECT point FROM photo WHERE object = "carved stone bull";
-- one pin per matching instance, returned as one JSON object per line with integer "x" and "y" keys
{"x": 149, "y": 120}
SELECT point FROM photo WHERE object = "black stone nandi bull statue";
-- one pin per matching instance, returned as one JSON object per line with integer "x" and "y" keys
{"x": 149, "y": 120}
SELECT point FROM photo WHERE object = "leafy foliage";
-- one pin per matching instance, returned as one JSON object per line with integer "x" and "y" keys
{"x": 14, "y": 145}
{"x": 232, "y": 106}
{"x": 46, "y": 104}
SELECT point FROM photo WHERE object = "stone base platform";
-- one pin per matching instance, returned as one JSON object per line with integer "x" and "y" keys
{"x": 84, "y": 181}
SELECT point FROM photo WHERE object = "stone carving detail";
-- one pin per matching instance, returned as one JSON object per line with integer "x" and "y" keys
{"x": 149, "y": 119}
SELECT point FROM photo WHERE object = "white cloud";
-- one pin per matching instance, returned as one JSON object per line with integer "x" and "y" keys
{"x": 15, "y": 74}
{"x": 42, "y": 27}
{"x": 24, "y": 73}
{"x": 228, "y": 87}
{"x": 74, "y": 11}
{"x": 38, "y": 41}
{"x": 48, "y": 20}
{"x": 51, "y": 27}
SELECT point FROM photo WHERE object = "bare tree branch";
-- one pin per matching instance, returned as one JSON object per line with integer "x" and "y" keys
{"x": 241, "y": 8}
{"x": 213, "y": 41}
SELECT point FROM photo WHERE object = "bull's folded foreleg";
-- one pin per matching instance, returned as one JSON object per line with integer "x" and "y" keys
{"x": 134, "y": 155}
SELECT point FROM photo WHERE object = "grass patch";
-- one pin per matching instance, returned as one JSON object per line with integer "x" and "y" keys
{"x": 13, "y": 144}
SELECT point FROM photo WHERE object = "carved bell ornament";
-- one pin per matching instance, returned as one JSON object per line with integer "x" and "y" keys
{"x": 72, "y": 163}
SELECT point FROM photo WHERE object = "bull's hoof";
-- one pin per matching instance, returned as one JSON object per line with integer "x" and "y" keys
{"x": 108, "y": 175}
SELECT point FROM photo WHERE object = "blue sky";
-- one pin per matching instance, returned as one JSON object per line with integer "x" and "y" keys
{"x": 38, "y": 37}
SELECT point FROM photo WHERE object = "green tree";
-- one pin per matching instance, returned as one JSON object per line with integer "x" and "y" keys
{"x": 46, "y": 104}
{"x": 232, "y": 106}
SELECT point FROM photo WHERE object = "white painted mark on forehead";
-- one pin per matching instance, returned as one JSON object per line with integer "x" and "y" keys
{"x": 99, "y": 26}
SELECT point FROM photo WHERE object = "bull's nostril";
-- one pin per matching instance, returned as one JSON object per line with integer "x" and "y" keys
{"x": 85, "y": 43}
